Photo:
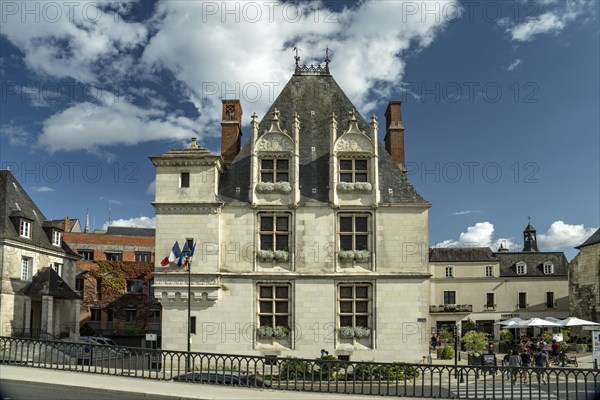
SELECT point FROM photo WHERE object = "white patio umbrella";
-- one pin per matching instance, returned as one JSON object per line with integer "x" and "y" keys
{"x": 552, "y": 319}
{"x": 532, "y": 322}
{"x": 574, "y": 321}
{"x": 510, "y": 323}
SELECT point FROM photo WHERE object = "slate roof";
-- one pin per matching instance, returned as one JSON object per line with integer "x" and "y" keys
{"x": 15, "y": 203}
{"x": 128, "y": 231}
{"x": 48, "y": 283}
{"x": 534, "y": 261}
{"x": 466, "y": 254}
{"x": 595, "y": 238}
{"x": 320, "y": 94}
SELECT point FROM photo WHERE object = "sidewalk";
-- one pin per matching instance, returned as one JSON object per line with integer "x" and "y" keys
{"x": 180, "y": 390}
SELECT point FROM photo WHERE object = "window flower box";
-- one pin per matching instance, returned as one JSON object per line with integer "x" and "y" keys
{"x": 270, "y": 255}
{"x": 264, "y": 332}
{"x": 281, "y": 331}
{"x": 357, "y": 255}
{"x": 354, "y": 187}
{"x": 346, "y": 332}
{"x": 266, "y": 255}
{"x": 361, "y": 332}
{"x": 346, "y": 255}
{"x": 268, "y": 332}
{"x": 270, "y": 187}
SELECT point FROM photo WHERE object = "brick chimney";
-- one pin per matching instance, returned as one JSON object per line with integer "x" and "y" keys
{"x": 394, "y": 135}
{"x": 66, "y": 225}
{"x": 231, "y": 130}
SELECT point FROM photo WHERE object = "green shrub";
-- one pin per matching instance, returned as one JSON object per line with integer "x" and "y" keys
{"x": 476, "y": 342}
{"x": 445, "y": 353}
{"x": 394, "y": 372}
{"x": 86, "y": 330}
{"x": 565, "y": 334}
{"x": 547, "y": 337}
{"x": 583, "y": 347}
{"x": 468, "y": 326}
{"x": 445, "y": 335}
{"x": 293, "y": 368}
{"x": 506, "y": 336}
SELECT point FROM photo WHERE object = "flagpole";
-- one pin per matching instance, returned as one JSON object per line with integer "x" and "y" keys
{"x": 189, "y": 315}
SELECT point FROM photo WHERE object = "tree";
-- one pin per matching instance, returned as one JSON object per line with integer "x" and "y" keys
{"x": 468, "y": 326}
{"x": 476, "y": 342}
{"x": 506, "y": 337}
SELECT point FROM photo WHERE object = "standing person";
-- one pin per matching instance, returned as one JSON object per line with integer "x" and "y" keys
{"x": 434, "y": 342}
{"x": 515, "y": 362}
{"x": 541, "y": 362}
{"x": 525, "y": 363}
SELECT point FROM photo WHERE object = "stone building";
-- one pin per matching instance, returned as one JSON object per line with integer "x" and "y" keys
{"x": 309, "y": 236}
{"x": 485, "y": 287}
{"x": 37, "y": 269}
{"x": 584, "y": 280}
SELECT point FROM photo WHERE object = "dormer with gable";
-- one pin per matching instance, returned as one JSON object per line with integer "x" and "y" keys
{"x": 353, "y": 172}
{"x": 275, "y": 164}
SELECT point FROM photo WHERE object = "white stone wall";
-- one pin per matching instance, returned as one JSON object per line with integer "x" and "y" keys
{"x": 229, "y": 324}
{"x": 202, "y": 184}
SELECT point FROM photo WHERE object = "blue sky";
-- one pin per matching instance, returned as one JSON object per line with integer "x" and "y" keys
{"x": 501, "y": 100}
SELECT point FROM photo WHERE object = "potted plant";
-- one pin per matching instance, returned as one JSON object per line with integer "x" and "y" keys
{"x": 475, "y": 343}
{"x": 506, "y": 341}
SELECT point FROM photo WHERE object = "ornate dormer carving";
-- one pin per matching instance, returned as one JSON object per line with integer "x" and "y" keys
{"x": 275, "y": 140}
{"x": 354, "y": 164}
{"x": 354, "y": 140}
{"x": 275, "y": 164}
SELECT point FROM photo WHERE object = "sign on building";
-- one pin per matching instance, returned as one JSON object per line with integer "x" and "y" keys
{"x": 596, "y": 344}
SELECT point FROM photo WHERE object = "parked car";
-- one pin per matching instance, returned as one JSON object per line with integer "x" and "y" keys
{"x": 222, "y": 378}
{"x": 102, "y": 341}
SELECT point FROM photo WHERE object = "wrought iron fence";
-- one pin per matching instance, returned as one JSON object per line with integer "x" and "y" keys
{"x": 314, "y": 375}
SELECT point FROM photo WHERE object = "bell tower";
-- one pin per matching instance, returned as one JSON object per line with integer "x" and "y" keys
{"x": 529, "y": 238}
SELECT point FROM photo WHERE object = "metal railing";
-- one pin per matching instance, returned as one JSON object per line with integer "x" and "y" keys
{"x": 312, "y": 375}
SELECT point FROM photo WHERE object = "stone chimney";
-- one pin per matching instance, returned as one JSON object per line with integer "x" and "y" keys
{"x": 394, "y": 132}
{"x": 231, "y": 130}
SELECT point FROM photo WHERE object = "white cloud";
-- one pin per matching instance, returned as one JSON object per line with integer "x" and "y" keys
{"x": 466, "y": 212}
{"x": 560, "y": 236}
{"x": 90, "y": 126}
{"x": 479, "y": 235}
{"x": 552, "y": 21}
{"x": 151, "y": 190}
{"x": 17, "y": 136}
{"x": 69, "y": 39}
{"x": 139, "y": 222}
{"x": 514, "y": 64}
{"x": 42, "y": 189}
{"x": 252, "y": 59}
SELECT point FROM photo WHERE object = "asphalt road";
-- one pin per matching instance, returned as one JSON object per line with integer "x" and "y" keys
{"x": 18, "y": 390}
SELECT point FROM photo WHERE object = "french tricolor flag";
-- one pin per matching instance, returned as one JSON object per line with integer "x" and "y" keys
{"x": 175, "y": 253}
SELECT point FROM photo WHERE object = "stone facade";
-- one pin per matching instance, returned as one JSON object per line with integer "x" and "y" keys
{"x": 485, "y": 287}
{"x": 584, "y": 280}
{"x": 300, "y": 247}
{"x": 37, "y": 270}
